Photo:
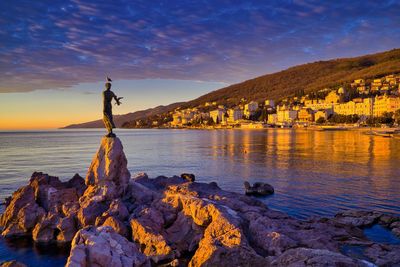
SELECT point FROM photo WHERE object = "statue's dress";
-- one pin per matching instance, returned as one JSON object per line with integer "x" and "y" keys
{"x": 107, "y": 110}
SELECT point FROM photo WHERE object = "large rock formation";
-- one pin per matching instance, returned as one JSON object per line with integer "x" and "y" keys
{"x": 178, "y": 222}
{"x": 108, "y": 172}
{"x": 40, "y": 209}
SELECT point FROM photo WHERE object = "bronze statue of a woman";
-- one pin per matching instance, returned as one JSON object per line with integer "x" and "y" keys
{"x": 108, "y": 95}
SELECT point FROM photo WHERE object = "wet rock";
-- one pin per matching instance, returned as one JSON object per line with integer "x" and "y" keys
{"x": 298, "y": 257}
{"x": 258, "y": 189}
{"x": 108, "y": 170}
{"x": 358, "y": 218}
{"x": 386, "y": 219}
{"x": 102, "y": 246}
{"x": 188, "y": 177}
{"x": 12, "y": 263}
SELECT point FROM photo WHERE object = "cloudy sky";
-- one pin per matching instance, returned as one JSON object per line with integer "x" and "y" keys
{"x": 55, "y": 54}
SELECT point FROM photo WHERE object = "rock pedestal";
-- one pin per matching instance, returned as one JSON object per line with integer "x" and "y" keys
{"x": 108, "y": 171}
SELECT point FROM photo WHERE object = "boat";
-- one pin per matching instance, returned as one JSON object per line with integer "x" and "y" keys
{"x": 383, "y": 133}
{"x": 332, "y": 128}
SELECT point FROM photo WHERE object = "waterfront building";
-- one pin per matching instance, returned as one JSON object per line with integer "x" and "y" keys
{"x": 317, "y": 104}
{"x": 286, "y": 115}
{"x": 358, "y": 106}
{"x": 250, "y": 109}
{"x": 217, "y": 115}
{"x": 384, "y": 104}
{"x": 235, "y": 114}
{"x": 305, "y": 115}
{"x": 324, "y": 113}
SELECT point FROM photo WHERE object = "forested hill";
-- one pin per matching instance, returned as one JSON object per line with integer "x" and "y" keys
{"x": 308, "y": 77}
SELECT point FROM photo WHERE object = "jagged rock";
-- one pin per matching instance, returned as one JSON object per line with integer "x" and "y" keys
{"x": 108, "y": 169}
{"x": 223, "y": 237}
{"x": 70, "y": 209}
{"x": 147, "y": 231}
{"x": 102, "y": 246}
{"x": 21, "y": 213}
{"x": 67, "y": 228}
{"x": 139, "y": 176}
{"x": 12, "y": 263}
{"x": 78, "y": 183}
{"x": 139, "y": 194}
{"x": 299, "y": 257}
{"x": 90, "y": 209}
{"x": 188, "y": 177}
{"x": 117, "y": 225}
{"x": 45, "y": 230}
{"x": 258, "y": 189}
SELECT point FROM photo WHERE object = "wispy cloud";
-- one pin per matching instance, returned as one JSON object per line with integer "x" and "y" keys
{"x": 58, "y": 44}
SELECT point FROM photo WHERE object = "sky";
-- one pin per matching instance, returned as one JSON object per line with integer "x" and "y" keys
{"x": 54, "y": 55}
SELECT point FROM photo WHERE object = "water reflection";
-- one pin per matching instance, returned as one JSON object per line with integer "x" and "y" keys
{"x": 313, "y": 172}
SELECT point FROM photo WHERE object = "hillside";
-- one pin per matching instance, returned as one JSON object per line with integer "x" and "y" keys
{"x": 308, "y": 77}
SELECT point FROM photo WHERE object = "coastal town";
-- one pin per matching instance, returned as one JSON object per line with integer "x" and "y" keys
{"x": 363, "y": 102}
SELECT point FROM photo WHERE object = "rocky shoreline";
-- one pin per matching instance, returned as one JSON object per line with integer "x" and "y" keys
{"x": 113, "y": 219}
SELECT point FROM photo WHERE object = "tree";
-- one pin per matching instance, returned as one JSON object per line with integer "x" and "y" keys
{"x": 321, "y": 120}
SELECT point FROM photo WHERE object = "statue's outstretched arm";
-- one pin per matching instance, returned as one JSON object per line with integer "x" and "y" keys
{"x": 117, "y": 99}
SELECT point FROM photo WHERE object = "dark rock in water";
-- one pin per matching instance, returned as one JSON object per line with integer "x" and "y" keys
{"x": 188, "y": 176}
{"x": 258, "y": 189}
{"x": 12, "y": 263}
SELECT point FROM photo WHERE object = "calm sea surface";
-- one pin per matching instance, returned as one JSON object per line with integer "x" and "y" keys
{"x": 313, "y": 173}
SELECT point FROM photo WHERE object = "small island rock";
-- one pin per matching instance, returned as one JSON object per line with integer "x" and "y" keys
{"x": 258, "y": 189}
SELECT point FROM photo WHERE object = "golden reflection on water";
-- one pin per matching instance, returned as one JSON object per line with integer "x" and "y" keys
{"x": 347, "y": 168}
